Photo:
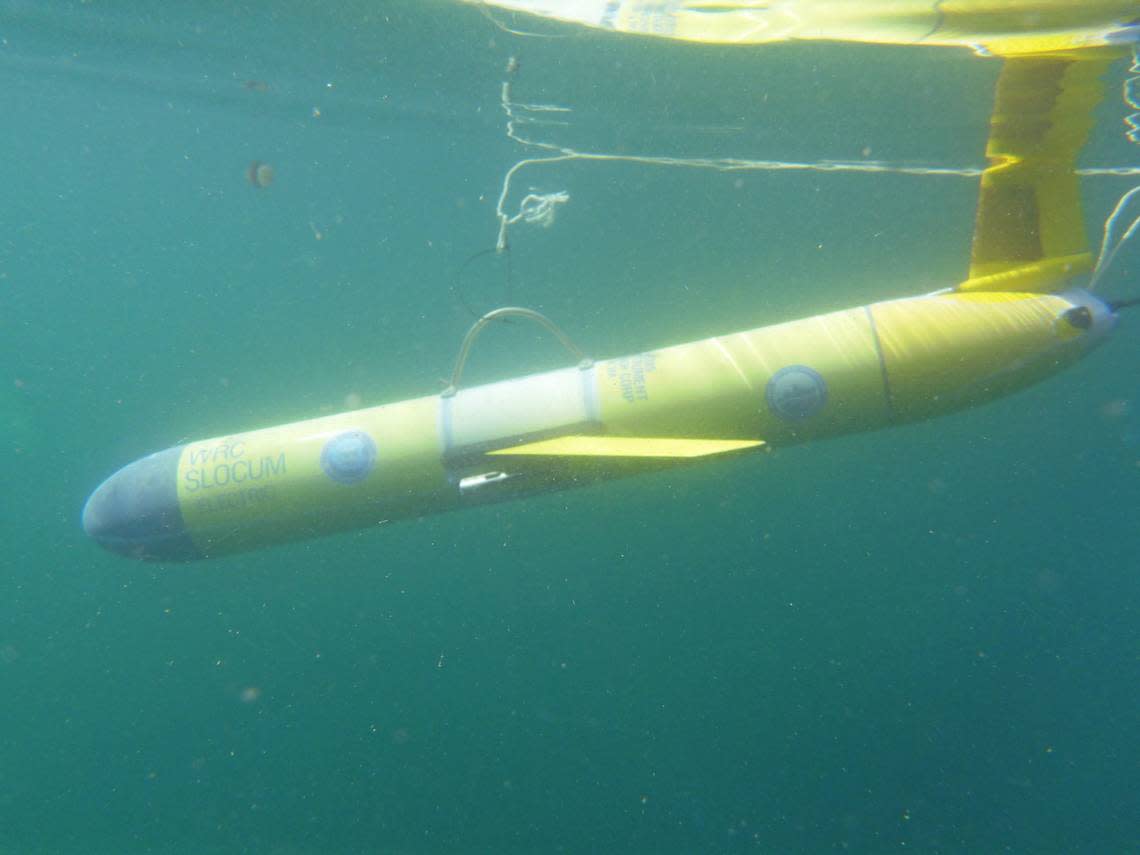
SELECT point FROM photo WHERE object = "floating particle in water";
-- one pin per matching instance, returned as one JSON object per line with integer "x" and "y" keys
{"x": 1116, "y": 409}
{"x": 259, "y": 174}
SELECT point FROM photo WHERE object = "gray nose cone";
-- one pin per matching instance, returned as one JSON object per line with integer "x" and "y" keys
{"x": 135, "y": 512}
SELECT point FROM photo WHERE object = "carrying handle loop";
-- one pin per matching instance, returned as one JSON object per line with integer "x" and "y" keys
{"x": 584, "y": 362}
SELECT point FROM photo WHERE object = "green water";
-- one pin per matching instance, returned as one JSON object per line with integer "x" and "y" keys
{"x": 923, "y": 639}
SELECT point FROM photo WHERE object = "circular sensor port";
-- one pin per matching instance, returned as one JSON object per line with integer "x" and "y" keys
{"x": 348, "y": 457}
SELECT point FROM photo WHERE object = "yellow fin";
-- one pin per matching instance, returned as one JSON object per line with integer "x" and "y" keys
{"x": 1029, "y": 234}
{"x": 628, "y": 446}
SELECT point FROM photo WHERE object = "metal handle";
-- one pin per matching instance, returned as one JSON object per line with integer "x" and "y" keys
{"x": 584, "y": 361}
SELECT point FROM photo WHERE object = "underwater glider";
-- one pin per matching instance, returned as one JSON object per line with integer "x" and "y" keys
{"x": 1016, "y": 319}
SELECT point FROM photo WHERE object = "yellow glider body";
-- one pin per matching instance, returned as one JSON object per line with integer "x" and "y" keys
{"x": 1005, "y": 27}
{"x": 854, "y": 370}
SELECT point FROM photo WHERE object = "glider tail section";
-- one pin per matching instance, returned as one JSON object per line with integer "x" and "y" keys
{"x": 1029, "y": 234}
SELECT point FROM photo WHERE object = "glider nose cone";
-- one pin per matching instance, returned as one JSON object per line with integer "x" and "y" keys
{"x": 1090, "y": 315}
{"x": 135, "y": 512}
